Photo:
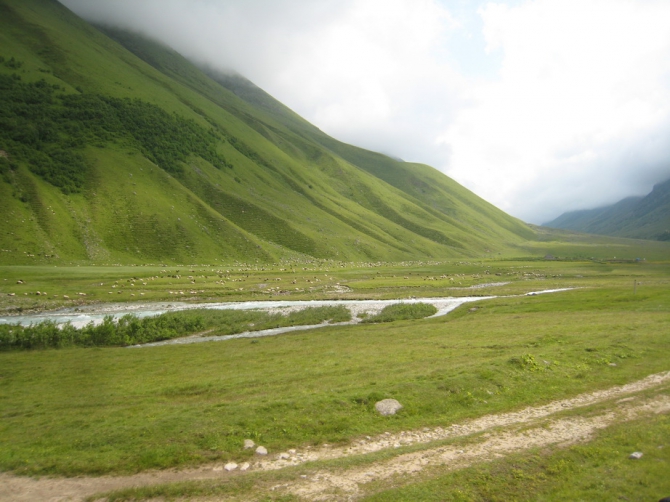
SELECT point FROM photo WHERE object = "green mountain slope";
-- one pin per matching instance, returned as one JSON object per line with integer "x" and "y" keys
{"x": 425, "y": 185}
{"x": 635, "y": 217}
{"x": 114, "y": 148}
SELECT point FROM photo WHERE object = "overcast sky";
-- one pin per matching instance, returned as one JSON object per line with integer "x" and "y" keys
{"x": 538, "y": 106}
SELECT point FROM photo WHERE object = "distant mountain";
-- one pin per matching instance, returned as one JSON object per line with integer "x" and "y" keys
{"x": 635, "y": 217}
{"x": 116, "y": 149}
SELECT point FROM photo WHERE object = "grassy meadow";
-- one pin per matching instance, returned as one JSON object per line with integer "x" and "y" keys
{"x": 75, "y": 411}
{"x": 75, "y": 286}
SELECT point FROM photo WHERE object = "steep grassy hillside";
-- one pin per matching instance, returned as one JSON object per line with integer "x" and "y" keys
{"x": 115, "y": 149}
{"x": 423, "y": 184}
{"x": 635, "y": 217}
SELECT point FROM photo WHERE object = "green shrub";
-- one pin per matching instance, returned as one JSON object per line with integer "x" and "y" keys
{"x": 46, "y": 129}
{"x": 128, "y": 330}
{"x": 401, "y": 312}
{"x": 131, "y": 330}
{"x": 526, "y": 363}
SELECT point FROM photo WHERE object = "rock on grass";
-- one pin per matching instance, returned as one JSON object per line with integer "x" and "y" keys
{"x": 387, "y": 407}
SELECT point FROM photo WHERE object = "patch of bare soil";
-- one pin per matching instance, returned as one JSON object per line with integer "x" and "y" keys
{"x": 326, "y": 485}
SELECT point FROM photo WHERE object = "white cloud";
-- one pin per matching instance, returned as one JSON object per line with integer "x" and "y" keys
{"x": 375, "y": 77}
{"x": 579, "y": 115}
{"x": 371, "y": 72}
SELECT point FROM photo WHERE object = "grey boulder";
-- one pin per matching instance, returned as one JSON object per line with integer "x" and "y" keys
{"x": 387, "y": 407}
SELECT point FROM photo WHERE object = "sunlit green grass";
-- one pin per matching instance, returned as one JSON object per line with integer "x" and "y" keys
{"x": 93, "y": 411}
{"x": 402, "y": 312}
{"x": 308, "y": 280}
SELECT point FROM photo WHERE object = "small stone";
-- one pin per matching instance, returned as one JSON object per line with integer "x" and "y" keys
{"x": 611, "y": 364}
{"x": 283, "y": 456}
{"x": 261, "y": 450}
{"x": 636, "y": 455}
{"x": 217, "y": 469}
{"x": 248, "y": 443}
{"x": 231, "y": 466}
{"x": 245, "y": 466}
{"x": 387, "y": 407}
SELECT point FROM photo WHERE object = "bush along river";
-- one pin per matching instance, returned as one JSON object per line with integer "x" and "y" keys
{"x": 359, "y": 309}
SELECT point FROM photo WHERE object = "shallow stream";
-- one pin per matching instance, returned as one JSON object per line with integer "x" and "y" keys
{"x": 81, "y": 316}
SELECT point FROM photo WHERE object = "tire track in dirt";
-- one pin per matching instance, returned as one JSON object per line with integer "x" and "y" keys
{"x": 426, "y": 435}
{"x": 24, "y": 489}
{"x": 349, "y": 484}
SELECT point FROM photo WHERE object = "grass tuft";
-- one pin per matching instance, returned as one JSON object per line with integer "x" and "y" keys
{"x": 402, "y": 312}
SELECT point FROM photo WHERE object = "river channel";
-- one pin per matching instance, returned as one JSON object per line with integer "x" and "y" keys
{"x": 81, "y": 316}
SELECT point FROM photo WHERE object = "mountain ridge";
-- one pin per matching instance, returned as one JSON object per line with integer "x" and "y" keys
{"x": 645, "y": 217}
{"x": 252, "y": 181}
